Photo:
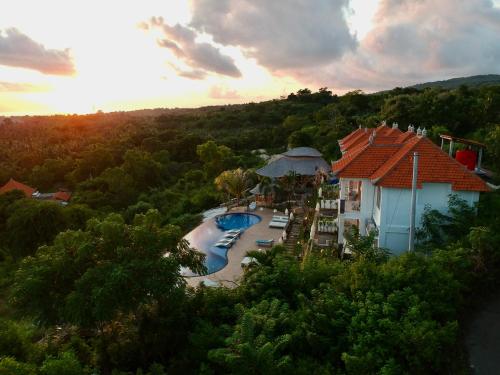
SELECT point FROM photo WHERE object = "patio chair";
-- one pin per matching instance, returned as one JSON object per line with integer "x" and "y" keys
{"x": 278, "y": 224}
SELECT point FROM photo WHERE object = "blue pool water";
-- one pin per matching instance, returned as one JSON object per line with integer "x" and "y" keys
{"x": 205, "y": 236}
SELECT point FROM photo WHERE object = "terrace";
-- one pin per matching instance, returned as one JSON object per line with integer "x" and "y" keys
{"x": 325, "y": 224}
{"x": 230, "y": 274}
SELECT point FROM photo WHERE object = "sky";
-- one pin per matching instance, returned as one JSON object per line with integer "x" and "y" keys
{"x": 80, "y": 56}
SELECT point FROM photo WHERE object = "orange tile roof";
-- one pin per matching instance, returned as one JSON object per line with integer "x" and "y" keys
{"x": 434, "y": 165}
{"x": 359, "y": 137}
{"x": 403, "y": 137}
{"x": 383, "y": 135}
{"x": 388, "y": 161}
{"x": 62, "y": 196}
{"x": 367, "y": 161}
{"x": 394, "y": 132}
{"x": 350, "y": 135}
{"x": 15, "y": 185}
{"x": 340, "y": 164}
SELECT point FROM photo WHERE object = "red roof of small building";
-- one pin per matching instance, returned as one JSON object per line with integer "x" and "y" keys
{"x": 388, "y": 161}
{"x": 62, "y": 196}
{"x": 15, "y": 185}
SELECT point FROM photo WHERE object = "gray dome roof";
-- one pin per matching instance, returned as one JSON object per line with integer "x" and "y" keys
{"x": 305, "y": 166}
{"x": 303, "y": 152}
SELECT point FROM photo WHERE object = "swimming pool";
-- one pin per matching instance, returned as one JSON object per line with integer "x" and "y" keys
{"x": 206, "y": 235}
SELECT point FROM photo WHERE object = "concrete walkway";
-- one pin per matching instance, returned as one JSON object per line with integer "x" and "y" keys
{"x": 230, "y": 274}
{"x": 483, "y": 339}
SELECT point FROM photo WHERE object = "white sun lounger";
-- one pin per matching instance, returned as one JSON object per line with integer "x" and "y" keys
{"x": 279, "y": 218}
{"x": 230, "y": 236}
{"x": 237, "y": 232}
{"x": 278, "y": 224}
{"x": 224, "y": 243}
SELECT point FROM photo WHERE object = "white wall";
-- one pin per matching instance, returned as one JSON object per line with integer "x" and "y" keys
{"x": 394, "y": 220}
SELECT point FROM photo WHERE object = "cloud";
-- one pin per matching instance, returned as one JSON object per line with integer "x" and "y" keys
{"x": 19, "y": 50}
{"x": 280, "y": 36}
{"x": 220, "y": 92}
{"x": 20, "y": 87}
{"x": 201, "y": 57}
{"x": 415, "y": 41}
{"x": 411, "y": 40}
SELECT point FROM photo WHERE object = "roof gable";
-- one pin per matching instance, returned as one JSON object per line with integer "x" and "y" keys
{"x": 434, "y": 166}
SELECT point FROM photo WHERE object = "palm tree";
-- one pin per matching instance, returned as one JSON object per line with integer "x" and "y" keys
{"x": 289, "y": 184}
{"x": 234, "y": 182}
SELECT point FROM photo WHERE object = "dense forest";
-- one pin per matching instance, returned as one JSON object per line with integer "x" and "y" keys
{"x": 85, "y": 289}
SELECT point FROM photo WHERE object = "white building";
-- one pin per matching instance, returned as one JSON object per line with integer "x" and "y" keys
{"x": 375, "y": 174}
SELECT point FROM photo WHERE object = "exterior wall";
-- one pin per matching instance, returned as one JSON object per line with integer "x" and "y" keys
{"x": 394, "y": 223}
{"x": 376, "y": 210}
{"x": 365, "y": 209}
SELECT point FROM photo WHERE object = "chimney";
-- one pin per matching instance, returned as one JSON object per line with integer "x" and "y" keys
{"x": 419, "y": 131}
{"x": 395, "y": 125}
{"x": 424, "y": 132}
{"x": 411, "y": 128}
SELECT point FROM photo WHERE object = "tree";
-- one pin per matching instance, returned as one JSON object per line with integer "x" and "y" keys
{"x": 289, "y": 184}
{"x": 256, "y": 346}
{"x": 234, "y": 182}
{"x": 493, "y": 140}
{"x": 215, "y": 158}
{"x": 9, "y": 366}
{"x": 145, "y": 171}
{"x": 294, "y": 123}
{"x": 88, "y": 277}
{"x": 31, "y": 224}
{"x": 65, "y": 364}
{"x": 300, "y": 138}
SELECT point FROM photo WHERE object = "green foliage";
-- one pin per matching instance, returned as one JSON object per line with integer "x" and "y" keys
{"x": 257, "y": 345}
{"x": 65, "y": 364}
{"x": 110, "y": 301}
{"x": 31, "y": 224}
{"x": 88, "y": 277}
{"x": 363, "y": 247}
{"x": 16, "y": 340}
{"x": 215, "y": 158}
{"x": 440, "y": 228}
{"x": 9, "y": 366}
{"x": 493, "y": 150}
{"x": 234, "y": 182}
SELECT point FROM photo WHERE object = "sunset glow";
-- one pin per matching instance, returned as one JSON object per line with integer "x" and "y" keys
{"x": 84, "y": 56}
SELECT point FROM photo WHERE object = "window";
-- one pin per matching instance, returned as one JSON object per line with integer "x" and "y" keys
{"x": 377, "y": 198}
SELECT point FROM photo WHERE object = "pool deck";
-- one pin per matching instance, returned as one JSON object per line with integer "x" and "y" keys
{"x": 230, "y": 274}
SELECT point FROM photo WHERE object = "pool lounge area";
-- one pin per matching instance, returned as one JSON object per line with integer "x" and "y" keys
{"x": 224, "y": 264}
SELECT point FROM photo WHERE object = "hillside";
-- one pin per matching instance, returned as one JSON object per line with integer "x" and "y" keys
{"x": 453, "y": 83}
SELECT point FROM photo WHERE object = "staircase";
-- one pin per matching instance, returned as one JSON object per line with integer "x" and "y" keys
{"x": 293, "y": 233}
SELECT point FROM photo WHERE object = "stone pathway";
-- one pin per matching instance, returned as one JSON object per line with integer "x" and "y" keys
{"x": 293, "y": 233}
{"x": 483, "y": 339}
